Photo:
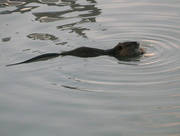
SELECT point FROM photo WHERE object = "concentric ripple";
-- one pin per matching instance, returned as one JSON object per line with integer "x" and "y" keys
{"x": 158, "y": 33}
{"x": 104, "y": 96}
{"x": 103, "y": 25}
{"x": 159, "y": 67}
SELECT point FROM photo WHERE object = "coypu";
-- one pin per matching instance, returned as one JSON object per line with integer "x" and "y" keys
{"x": 120, "y": 51}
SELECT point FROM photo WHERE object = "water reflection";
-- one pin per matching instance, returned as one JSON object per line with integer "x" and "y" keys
{"x": 21, "y": 9}
{"x": 49, "y": 1}
{"x": 56, "y": 2}
{"x": 81, "y": 12}
{"x": 42, "y": 36}
{"x": 81, "y": 89}
{"x": 6, "y": 39}
{"x": 86, "y": 14}
{"x": 18, "y": 4}
{"x": 74, "y": 28}
{"x": 4, "y": 3}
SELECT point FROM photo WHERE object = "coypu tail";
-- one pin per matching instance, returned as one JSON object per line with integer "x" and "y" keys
{"x": 38, "y": 58}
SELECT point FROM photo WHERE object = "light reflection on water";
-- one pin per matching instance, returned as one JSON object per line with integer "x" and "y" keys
{"x": 102, "y": 95}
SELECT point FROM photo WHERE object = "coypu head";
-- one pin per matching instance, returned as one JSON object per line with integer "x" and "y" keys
{"x": 127, "y": 49}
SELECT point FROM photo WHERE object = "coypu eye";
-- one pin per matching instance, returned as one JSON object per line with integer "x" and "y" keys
{"x": 119, "y": 48}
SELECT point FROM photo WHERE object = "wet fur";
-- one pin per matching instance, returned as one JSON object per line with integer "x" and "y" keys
{"x": 122, "y": 50}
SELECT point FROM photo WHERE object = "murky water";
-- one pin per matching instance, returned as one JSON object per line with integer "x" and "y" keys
{"x": 99, "y": 96}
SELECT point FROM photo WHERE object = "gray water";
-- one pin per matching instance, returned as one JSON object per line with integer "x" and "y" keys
{"x": 101, "y": 96}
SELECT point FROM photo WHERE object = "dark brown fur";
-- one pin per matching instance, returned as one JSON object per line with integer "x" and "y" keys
{"x": 120, "y": 51}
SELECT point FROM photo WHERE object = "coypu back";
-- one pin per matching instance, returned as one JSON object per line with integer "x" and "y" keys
{"x": 84, "y": 52}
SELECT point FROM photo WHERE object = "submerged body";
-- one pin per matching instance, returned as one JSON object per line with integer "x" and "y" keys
{"x": 120, "y": 51}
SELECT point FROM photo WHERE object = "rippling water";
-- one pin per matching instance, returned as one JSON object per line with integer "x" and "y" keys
{"x": 89, "y": 96}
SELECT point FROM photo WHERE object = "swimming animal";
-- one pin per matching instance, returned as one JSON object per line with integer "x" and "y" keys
{"x": 120, "y": 51}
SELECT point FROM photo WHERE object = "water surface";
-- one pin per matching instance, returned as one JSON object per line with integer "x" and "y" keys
{"x": 89, "y": 96}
